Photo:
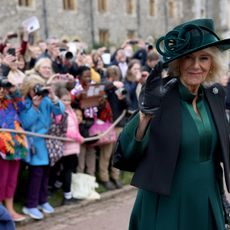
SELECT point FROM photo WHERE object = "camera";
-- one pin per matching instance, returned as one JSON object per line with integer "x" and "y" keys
{"x": 121, "y": 91}
{"x": 69, "y": 55}
{"x": 4, "y": 83}
{"x": 40, "y": 91}
{"x": 11, "y": 51}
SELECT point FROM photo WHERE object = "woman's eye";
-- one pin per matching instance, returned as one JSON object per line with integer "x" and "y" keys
{"x": 205, "y": 58}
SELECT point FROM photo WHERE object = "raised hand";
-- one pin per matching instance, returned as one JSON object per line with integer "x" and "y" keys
{"x": 153, "y": 90}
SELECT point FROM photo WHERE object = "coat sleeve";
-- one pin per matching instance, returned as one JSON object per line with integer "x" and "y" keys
{"x": 58, "y": 108}
{"x": 227, "y": 99}
{"x": 127, "y": 156}
{"x": 76, "y": 136}
{"x": 29, "y": 115}
{"x": 75, "y": 133}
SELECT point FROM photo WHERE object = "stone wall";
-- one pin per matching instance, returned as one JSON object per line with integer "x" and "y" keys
{"x": 85, "y": 21}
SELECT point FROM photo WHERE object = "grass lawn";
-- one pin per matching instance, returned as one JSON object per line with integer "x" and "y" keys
{"x": 56, "y": 198}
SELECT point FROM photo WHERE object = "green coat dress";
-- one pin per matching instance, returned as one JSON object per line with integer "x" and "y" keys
{"x": 194, "y": 202}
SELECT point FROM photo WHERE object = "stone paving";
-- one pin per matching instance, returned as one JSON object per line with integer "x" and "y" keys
{"x": 89, "y": 214}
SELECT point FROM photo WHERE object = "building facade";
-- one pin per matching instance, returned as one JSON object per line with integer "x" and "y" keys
{"x": 109, "y": 21}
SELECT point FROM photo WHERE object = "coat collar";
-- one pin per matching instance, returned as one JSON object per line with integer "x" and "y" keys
{"x": 216, "y": 100}
{"x": 215, "y": 97}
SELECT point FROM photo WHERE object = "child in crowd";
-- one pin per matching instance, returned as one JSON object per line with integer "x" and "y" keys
{"x": 69, "y": 160}
{"x": 86, "y": 162}
{"x": 87, "y": 157}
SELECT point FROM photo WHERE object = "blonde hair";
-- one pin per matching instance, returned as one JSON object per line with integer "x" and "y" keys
{"x": 40, "y": 61}
{"x": 29, "y": 83}
{"x": 218, "y": 69}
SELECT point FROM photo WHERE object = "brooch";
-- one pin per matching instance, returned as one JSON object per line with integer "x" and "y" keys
{"x": 215, "y": 90}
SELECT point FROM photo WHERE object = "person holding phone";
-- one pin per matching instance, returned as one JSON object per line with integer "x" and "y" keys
{"x": 12, "y": 66}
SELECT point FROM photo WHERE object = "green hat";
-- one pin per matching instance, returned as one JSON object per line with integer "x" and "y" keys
{"x": 190, "y": 37}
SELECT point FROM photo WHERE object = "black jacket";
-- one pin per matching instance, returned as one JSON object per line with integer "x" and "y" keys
{"x": 155, "y": 172}
{"x": 117, "y": 106}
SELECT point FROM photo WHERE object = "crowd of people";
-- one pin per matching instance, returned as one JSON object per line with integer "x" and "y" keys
{"x": 47, "y": 82}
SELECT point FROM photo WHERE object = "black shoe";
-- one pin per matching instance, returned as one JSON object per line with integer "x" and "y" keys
{"x": 118, "y": 184}
{"x": 108, "y": 185}
{"x": 70, "y": 201}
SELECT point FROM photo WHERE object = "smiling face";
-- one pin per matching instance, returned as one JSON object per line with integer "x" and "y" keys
{"x": 45, "y": 69}
{"x": 85, "y": 78}
{"x": 194, "y": 69}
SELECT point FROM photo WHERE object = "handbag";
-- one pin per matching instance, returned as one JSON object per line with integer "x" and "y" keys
{"x": 99, "y": 127}
{"x": 56, "y": 147}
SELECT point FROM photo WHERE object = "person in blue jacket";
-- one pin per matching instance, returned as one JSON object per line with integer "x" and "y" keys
{"x": 40, "y": 104}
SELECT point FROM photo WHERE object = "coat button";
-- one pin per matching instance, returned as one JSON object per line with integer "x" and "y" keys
{"x": 215, "y": 90}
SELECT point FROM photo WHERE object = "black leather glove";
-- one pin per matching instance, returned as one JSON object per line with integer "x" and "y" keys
{"x": 153, "y": 90}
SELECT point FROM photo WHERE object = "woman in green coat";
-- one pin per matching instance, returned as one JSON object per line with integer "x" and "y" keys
{"x": 180, "y": 136}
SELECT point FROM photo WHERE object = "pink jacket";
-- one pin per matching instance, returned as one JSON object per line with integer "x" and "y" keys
{"x": 74, "y": 133}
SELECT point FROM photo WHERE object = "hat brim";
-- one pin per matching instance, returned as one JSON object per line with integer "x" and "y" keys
{"x": 221, "y": 45}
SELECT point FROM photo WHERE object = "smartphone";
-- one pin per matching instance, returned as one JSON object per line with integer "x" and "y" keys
{"x": 11, "y": 51}
{"x": 63, "y": 76}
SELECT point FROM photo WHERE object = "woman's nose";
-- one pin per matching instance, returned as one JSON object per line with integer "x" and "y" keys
{"x": 196, "y": 63}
